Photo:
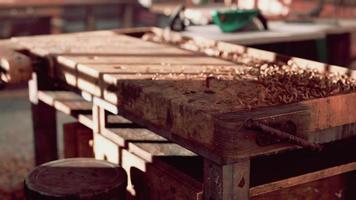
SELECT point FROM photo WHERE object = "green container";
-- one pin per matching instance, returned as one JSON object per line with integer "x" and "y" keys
{"x": 233, "y": 20}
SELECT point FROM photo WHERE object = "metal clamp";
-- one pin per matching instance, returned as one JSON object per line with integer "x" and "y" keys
{"x": 281, "y": 135}
{"x": 176, "y": 20}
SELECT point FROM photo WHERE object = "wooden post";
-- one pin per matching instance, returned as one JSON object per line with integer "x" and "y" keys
{"x": 128, "y": 15}
{"x": 44, "y": 125}
{"x": 339, "y": 49}
{"x": 76, "y": 140}
{"x": 90, "y": 21}
{"x": 99, "y": 119}
{"x": 44, "y": 132}
{"x": 70, "y": 142}
{"x": 222, "y": 182}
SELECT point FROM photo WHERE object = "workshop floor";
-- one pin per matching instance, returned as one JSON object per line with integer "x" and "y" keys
{"x": 16, "y": 146}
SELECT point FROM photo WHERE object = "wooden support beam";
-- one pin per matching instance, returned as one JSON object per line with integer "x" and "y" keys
{"x": 44, "y": 122}
{"x": 302, "y": 179}
{"x": 223, "y": 182}
{"x": 128, "y": 15}
{"x": 45, "y": 133}
{"x": 100, "y": 119}
{"x": 77, "y": 139}
{"x": 90, "y": 21}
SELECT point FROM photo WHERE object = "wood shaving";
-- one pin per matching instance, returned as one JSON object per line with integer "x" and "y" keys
{"x": 261, "y": 83}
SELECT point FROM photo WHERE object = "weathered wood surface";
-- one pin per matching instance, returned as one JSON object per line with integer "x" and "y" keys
{"x": 92, "y": 43}
{"x": 69, "y": 103}
{"x": 76, "y": 178}
{"x": 331, "y": 182}
{"x": 226, "y": 181}
{"x": 302, "y": 179}
{"x": 157, "y": 169}
{"x": 334, "y": 187}
{"x": 44, "y": 122}
{"x": 119, "y": 69}
{"x": 66, "y": 102}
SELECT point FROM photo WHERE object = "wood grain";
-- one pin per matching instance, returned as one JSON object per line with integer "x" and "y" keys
{"x": 227, "y": 181}
{"x": 118, "y": 69}
{"x": 306, "y": 178}
{"x": 157, "y": 168}
{"x": 66, "y": 102}
{"x": 44, "y": 123}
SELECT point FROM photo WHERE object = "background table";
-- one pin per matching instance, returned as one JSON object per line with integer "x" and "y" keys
{"x": 46, "y": 15}
{"x": 323, "y": 41}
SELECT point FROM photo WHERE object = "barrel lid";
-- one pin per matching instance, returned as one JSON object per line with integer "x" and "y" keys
{"x": 80, "y": 177}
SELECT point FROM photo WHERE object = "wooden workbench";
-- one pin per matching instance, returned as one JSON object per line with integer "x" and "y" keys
{"x": 125, "y": 75}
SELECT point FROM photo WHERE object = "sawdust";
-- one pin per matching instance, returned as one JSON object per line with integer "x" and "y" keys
{"x": 261, "y": 83}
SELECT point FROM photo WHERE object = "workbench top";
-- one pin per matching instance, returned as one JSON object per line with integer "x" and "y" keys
{"x": 196, "y": 100}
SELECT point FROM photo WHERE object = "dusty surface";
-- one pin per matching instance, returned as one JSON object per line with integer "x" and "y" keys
{"x": 16, "y": 146}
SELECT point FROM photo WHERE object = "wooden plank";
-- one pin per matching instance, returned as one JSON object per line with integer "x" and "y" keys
{"x": 149, "y": 59}
{"x": 131, "y": 135}
{"x": 65, "y": 101}
{"x": 92, "y": 43}
{"x": 146, "y": 157}
{"x": 335, "y": 187}
{"x": 86, "y": 120}
{"x": 299, "y": 180}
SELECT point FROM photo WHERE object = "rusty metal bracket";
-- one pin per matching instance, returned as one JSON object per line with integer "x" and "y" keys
{"x": 281, "y": 135}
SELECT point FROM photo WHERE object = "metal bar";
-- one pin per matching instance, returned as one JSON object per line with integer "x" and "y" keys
{"x": 282, "y": 135}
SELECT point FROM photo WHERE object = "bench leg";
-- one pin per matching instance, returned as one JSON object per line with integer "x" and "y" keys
{"x": 222, "y": 182}
{"x": 44, "y": 132}
{"x": 44, "y": 123}
{"x": 76, "y": 140}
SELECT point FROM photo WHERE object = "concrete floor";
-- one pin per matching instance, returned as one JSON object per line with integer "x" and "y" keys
{"x": 16, "y": 141}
